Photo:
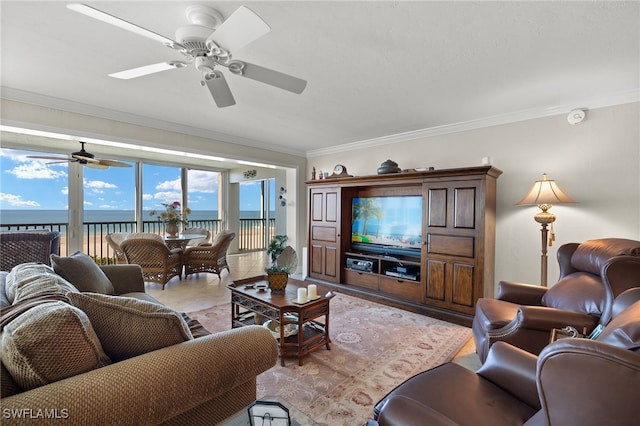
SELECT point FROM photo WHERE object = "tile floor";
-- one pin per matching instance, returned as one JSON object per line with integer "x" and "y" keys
{"x": 201, "y": 291}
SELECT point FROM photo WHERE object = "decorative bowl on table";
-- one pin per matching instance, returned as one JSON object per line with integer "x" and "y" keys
{"x": 289, "y": 329}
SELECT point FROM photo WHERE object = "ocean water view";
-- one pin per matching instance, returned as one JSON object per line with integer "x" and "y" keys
{"x": 35, "y": 216}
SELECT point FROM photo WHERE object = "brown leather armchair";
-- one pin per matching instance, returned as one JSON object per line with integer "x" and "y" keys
{"x": 592, "y": 274}
{"x": 574, "y": 381}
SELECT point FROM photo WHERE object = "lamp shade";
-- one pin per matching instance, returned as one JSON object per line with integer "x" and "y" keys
{"x": 544, "y": 192}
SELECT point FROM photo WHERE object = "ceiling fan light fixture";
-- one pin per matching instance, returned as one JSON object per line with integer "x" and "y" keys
{"x": 205, "y": 64}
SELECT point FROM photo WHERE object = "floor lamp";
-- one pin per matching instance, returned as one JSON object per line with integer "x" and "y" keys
{"x": 544, "y": 193}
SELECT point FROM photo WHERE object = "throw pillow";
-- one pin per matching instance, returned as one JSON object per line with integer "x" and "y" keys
{"x": 50, "y": 342}
{"x": 129, "y": 327}
{"x": 29, "y": 280}
{"x": 81, "y": 271}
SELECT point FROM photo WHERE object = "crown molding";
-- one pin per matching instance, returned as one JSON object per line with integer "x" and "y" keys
{"x": 618, "y": 98}
{"x": 139, "y": 120}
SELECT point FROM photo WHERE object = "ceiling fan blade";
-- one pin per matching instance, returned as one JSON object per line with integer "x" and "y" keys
{"x": 44, "y": 157}
{"x": 96, "y": 166}
{"x": 240, "y": 29}
{"x": 112, "y": 163}
{"x": 148, "y": 69}
{"x": 219, "y": 89}
{"x": 121, "y": 23}
{"x": 268, "y": 76}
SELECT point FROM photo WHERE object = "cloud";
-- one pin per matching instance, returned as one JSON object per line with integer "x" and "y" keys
{"x": 99, "y": 184}
{"x": 17, "y": 201}
{"x": 169, "y": 185}
{"x": 36, "y": 170}
{"x": 147, "y": 197}
{"x": 203, "y": 181}
{"x": 167, "y": 196}
{"x": 65, "y": 190}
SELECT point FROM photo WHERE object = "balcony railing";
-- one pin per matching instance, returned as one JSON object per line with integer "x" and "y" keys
{"x": 251, "y": 233}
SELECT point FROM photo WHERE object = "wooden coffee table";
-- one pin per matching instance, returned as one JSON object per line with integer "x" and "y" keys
{"x": 251, "y": 306}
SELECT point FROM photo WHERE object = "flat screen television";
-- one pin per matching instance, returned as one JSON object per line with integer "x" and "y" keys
{"x": 387, "y": 225}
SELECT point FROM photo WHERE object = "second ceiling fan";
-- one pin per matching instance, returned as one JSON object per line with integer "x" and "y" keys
{"x": 208, "y": 43}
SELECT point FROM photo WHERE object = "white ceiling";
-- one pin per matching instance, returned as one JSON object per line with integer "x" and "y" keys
{"x": 374, "y": 68}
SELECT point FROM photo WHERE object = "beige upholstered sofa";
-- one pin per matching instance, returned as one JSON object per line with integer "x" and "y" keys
{"x": 84, "y": 368}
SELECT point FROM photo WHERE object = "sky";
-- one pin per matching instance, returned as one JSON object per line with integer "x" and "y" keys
{"x": 27, "y": 183}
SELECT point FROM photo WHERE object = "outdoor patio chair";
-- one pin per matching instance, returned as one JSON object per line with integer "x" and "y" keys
{"x": 158, "y": 262}
{"x": 146, "y": 235}
{"x": 18, "y": 247}
{"x": 206, "y": 236}
{"x": 209, "y": 258}
{"x": 114, "y": 240}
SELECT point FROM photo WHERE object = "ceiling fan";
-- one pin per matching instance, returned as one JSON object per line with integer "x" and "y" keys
{"x": 208, "y": 43}
{"x": 83, "y": 157}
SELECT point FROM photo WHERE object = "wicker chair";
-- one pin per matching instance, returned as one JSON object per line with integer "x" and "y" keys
{"x": 159, "y": 263}
{"x": 18, "y": 247}
{"x": 114, "y": 240}
{"x": 146, "y": 235}
{"x": 206, "y": 236}
{"x": 209, "y": 258}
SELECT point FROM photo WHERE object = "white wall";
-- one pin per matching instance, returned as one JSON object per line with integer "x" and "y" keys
{"x": 596, "y": 162}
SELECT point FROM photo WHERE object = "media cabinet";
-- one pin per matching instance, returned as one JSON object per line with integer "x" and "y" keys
{"x": 454, "y": 265}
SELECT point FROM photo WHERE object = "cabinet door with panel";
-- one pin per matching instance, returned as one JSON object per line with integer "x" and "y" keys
{"x": 324, "y": 233}
{"x": 454, "y": 235}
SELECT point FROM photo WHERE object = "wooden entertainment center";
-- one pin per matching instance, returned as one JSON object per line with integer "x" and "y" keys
{"x": 453, "y": 264}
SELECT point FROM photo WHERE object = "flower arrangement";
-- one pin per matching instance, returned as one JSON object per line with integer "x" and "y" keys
{"x": 172, "y": 214}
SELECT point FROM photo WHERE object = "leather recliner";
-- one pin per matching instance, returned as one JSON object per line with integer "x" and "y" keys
{"x": 592, "y": 274}
{"x": 574, "y": 382}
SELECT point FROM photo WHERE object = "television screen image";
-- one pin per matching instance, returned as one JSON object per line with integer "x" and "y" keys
{"x": 387, "y": 222}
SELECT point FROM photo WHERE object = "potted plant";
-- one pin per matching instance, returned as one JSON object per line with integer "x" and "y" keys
{"x": 278, "y": 273}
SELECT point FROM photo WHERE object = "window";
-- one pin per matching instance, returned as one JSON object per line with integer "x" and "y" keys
{"x": 160, "y": 184}
{"x": 203, "y": 198}
{"x": 33, "y": 192}
{"x": 257, "y": 213}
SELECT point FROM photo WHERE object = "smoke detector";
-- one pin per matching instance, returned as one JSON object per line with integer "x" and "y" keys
{"x": 576, "y": 116}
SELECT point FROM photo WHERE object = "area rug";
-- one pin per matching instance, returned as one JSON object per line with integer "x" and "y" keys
{"x": 374, "y": 348}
